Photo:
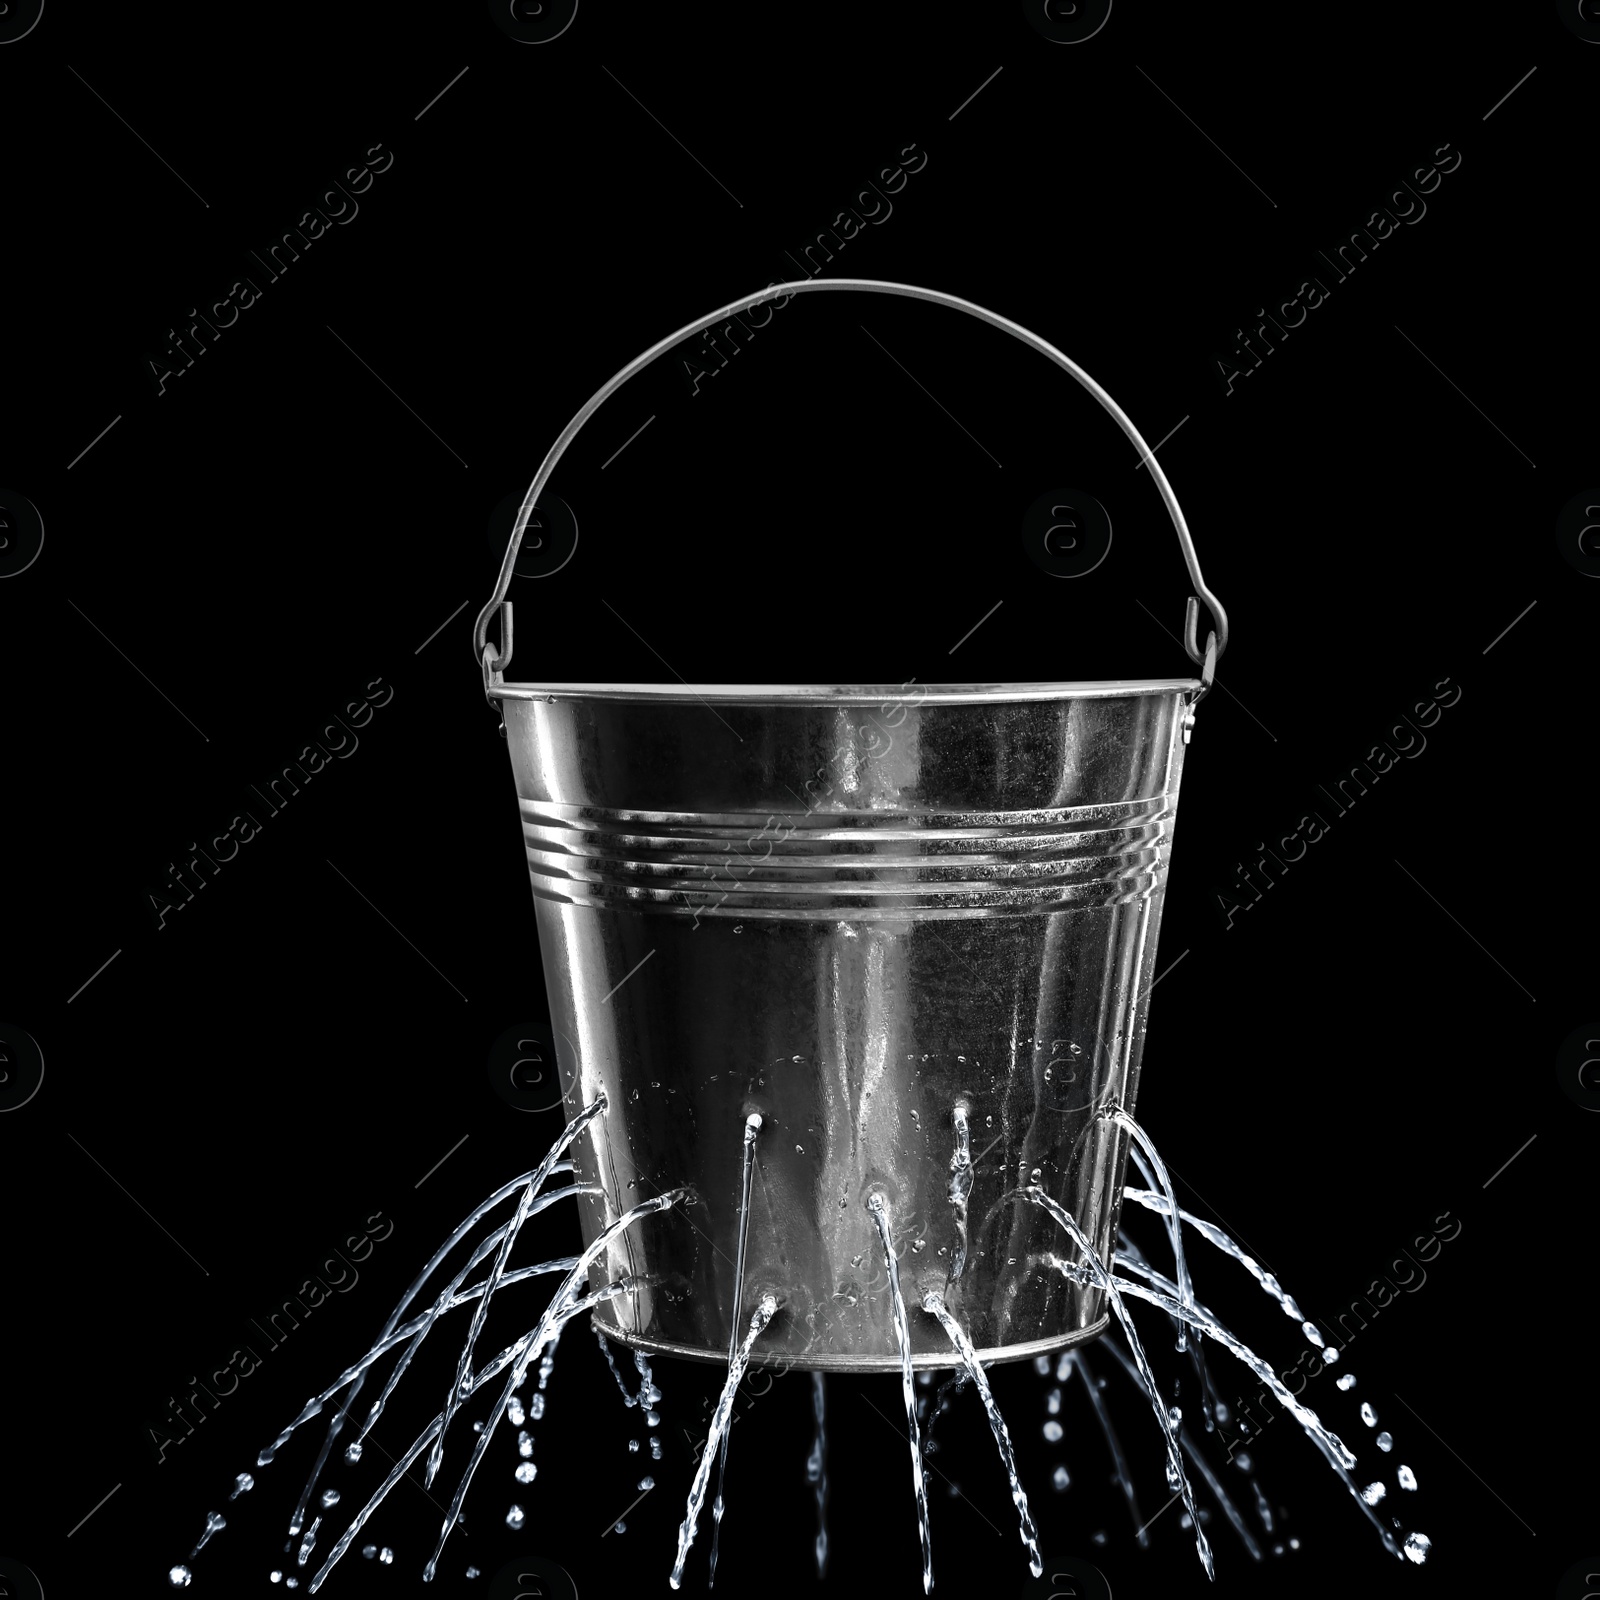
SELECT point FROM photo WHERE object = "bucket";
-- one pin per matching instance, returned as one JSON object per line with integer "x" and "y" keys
{"x": 914, "y": 929}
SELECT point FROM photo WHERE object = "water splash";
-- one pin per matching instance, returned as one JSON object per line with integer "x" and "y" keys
{"x": 817, "y": 1470}
{"x": 460, "y": 1232}
{"x": 1338, "y": 1455}
{"x": 879, "y": 1207}
{"x": 1103, "y": 1280}
{"x": 533, "y": 1344}
{"x": 496, "y": 1366}
{"x": 357, "y": 1370}
{"x": 719, "y": 1422}
{"x": 960, "y": 1186}
{"x": 752, "y": 1126}
{"x": 497, "y": 1272}
{"x": 446, "y": 1298}
{"x": 969, "y": 1359}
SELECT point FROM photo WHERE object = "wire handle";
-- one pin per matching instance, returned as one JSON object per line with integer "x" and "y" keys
{"x": 495, "y": 662}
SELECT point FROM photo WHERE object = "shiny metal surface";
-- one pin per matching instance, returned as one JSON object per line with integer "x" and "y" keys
{"x": 852, "y": 911}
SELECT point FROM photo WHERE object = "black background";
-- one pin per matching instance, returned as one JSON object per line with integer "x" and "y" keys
{"x": 306, "y": 511}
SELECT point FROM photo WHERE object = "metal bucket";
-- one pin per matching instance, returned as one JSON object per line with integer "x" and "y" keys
{"x": 887, "y": 920}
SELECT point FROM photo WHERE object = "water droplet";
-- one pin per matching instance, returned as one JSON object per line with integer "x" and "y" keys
{"x": 1099, "y": 1538}
{"x": 646, "y": 1484}
{"x": 1059, "y": 1478}
{"x": 633, "y": 1444}
{"x": 477, "y": 1427}
{"x": 915, "y": 1117}
{"x": 1041, "y": 1365}
{"x": 1309, "y": 1329}
{"x": 330, "y": 1498}
{"x": 1174, "y": 1415}
{"x": 738, "y": 927}
{"x": 655, "y": 1449}
{"x": 514, "y": 1517}
{"x": 1417, "y": 1546}
{"x": 797, "y": 1059}
{"x": 1385, "y": 1442}
{"x": 514, "y": 1413}
{"x": 370, "y": 1551}
{"x": 1407, "y": 1478}
{"x": 352, "y": 1453}
{"x": 655, "y": 1083}
{"x": 917, "y": 1244}
{"x": 274, "y": 1576}
{"x": 1242, "y": 1461}
{"x": 1329, "y": 1356}
{"x": 619, "y": 1526}
{"x": 526, "y": 1472}
{"x": 1033, "y": 1177}
{"x": 179, "y": 1577}
{"x": 1368, "y": 1415}
{"x": 1052, "y": 1402}
{"x": 385, "y": 1558}
{"x": 1047, "y": 1074}
{"x": 1348, "y": 1381}
{"x": 524, "y": 1444}
{"x": 1294, "y": 1544}
{"x": 536, "y": 1407}
{"x": 472, "y": 1572}
{"x": 652, "y": 1419}
{"x": 988, "y": 1122}
{"x": 1052, "y": 1430}
{"x": 1374, "y": 1492}
{"x": 634, "y": 1096}
{"x": 799, "y": 1149}
{"x": 240, "y": 1484}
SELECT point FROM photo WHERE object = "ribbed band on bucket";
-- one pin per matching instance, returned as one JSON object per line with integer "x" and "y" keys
{"x": 861, "y": 865}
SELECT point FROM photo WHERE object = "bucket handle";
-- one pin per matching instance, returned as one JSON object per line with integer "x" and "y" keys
{"x": 495, "y": 662}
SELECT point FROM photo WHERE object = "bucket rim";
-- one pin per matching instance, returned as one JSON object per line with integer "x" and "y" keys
{"x": 774, "y": 694}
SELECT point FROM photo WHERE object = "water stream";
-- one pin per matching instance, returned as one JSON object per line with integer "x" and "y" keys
{"x": 719, "y": 1424}
{"x": 1131, "y": 1277}
{"x": 1170, "y": 1215}
{"x": 1177, "y": 1478}
{"x": 1163, "y": 1294}
{"x": 817, "y": 1469}
{"x": 752, "y": 1127}
{"x": 969, "y": 1359}
{"x": 879, "y": 1207}
{"x": 1079, "y": 1364}
{"x": 467, "y": 1224}
{"x": 481, "y": 1310}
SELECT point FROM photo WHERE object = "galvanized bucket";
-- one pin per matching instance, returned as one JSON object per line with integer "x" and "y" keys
{"x": 894, "y": 922}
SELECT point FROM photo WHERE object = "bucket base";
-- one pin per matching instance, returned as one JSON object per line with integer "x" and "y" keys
{"x": 823, "y": 1361}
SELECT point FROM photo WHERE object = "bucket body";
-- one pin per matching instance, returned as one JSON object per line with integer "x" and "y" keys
{"x": 853, "y": 911}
